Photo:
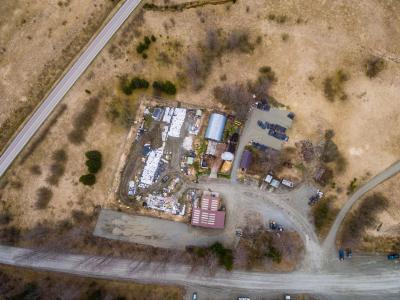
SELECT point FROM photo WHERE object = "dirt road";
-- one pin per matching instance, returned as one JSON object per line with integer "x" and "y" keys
{"x": 115, "y": 268}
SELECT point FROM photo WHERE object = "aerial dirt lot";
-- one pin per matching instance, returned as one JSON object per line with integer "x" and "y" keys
{"x": 313, "y": 41}
{"x": 37, "y": 41}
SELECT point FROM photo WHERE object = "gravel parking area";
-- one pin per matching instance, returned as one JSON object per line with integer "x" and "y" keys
{"x": 156, "y": 232}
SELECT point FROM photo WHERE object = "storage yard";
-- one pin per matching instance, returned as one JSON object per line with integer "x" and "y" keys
{"x": 173, "y": 147}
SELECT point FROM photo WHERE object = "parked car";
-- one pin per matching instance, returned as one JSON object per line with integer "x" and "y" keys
{"x": 194, "y": 296}
{"x": 261, "y": 124}
{"x": 393, "y": 256}
{"x": 273, "y": 225}
{"x": 341, "y": 254}
{"x": 165, "y": 179}
{"x": 349, "y": 253}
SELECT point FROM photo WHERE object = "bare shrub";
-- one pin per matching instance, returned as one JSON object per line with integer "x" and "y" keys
{"x": 5, "y": 217}
{"x": 10, "y": 235}
{"x": 121, "y": 111}
{"x": 35, "y": 170}
{"x": 196, "y": 70}
{"x": 238, "y": 40}
{"x": 362, "y": 218}
{"x": 236, "y": 96}
{"x": 59, "y": 155}
{"x": 43, "y": 197}
{"x": 42, "y": 135}
{"x": 334, "y": 86}
{"x": 84, "y": 120}
{"x": 373, "y": 66}
{"x": 57, "y": 170}
{"x": 324, "y": 214}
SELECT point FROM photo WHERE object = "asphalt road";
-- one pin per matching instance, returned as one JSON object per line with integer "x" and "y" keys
{"x": 65, "y": 84}
{"x": 338, "y": 283}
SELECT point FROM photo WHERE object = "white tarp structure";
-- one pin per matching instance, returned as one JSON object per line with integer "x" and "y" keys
{"x": 177, "y": 122}
{"x": 188, "y": 143}
{"x": 227, "y": 156}
{"x": 169, "y": 112}
{"x": 164, "y": 133}
{"x": 151, "y": 166}
{"x": 166, "y": 204}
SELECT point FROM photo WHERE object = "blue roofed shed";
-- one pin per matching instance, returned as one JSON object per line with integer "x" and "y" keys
{"x": 215, "y": 128}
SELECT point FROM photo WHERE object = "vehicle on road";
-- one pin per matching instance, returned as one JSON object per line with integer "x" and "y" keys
{"x": 243, "y": 298}
{"x": 393, "y": 256}
{"x": 194, "y": 296}
{"x": 341, "y": 254}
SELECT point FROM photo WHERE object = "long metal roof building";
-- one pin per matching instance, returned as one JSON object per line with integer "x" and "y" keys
{"x": 216, "y": 126}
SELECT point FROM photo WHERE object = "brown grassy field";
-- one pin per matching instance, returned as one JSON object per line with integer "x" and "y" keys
{"x": 42, "y": 285}
{"x": 384, "y": 234}
{"x": 38, "y": 39}
{"x": 304, "y": 43}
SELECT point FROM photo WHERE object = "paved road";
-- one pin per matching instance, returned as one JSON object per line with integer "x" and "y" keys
{"x": 65, "y": 84}
{"x": 364, "y": 283}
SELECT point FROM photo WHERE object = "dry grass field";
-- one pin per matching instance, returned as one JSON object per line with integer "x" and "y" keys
{"x": 304, "y": 43}
{"x": 384, "y": 234}
{"x": 19, "y": 283}
{"x": 38, "y": 39}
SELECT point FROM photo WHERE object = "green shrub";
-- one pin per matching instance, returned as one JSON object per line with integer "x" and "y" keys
{"x": 167, "y": 87}
{"x": 88, "y": 179}
{"x": 93, "y": 166}
{"x": 128, "y": 87}
{"x": 153, "y": 38}
{"x": 141, "y": 48}
{"x": 93, "y": 155}
{"x": 94, "y": 161}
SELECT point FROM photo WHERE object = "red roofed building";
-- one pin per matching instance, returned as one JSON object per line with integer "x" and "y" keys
{"x": 208, "y": 214}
